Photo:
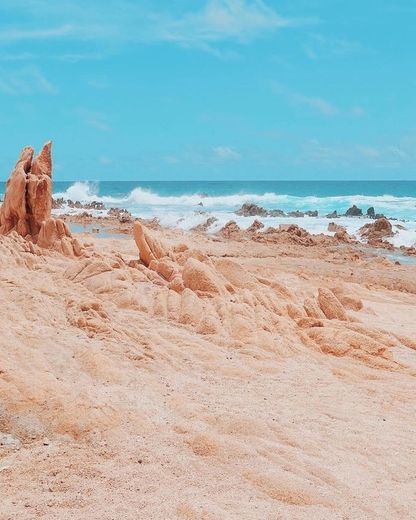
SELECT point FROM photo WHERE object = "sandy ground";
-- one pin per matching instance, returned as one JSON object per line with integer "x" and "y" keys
{"x": 259, "y": 398}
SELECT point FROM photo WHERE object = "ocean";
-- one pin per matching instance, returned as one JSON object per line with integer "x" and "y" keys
{"x": 186, "y": 204}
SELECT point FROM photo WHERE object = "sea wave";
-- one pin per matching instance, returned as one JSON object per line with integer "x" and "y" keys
{"x": 87, "y": 192}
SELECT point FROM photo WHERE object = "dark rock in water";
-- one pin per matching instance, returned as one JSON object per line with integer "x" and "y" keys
{"x": 380, "y": 215}
{"x": 334, "y": 214}
{"x": 251, "y": 210}
{"x": 277, "y": 213}
{"x": 199, "y": 204}
{"x": 371, "y": 212}
{"x": 296, "y": 213}
{"x": 312, "y": 213}
{"x": 353, "y": 211}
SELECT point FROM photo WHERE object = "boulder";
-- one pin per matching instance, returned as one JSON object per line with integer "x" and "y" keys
{"x": 334, "y": 228}
{"x": 377, "y": 230}
{"x": 334, "y": 214}
{"x": 353, "y": 211}
{"x": 371, "y": 212}
{"x": 251, "y": 210}
{"x": 277, "y": 213}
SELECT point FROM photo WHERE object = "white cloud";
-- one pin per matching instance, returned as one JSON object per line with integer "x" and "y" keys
{"x": 126, "y": 21}
{"x": 25, "y": 81}
{"x": 319, "y": 46}
{"x": 316, "y": 103}
{"x": 104, "y": 160}
{"x": 98, "y": 83}
{"x": 357, "y": 111}
{"x": 11, "y": 35}
{"x": 321, "y": 105}
{"x": 226, "y": 153}
{"x": 368, "y": 151}
{"x": 222, "y": 20}
{"x": 96, "y": 120}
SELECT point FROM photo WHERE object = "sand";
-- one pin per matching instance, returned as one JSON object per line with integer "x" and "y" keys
{"x": 239, "y": 377}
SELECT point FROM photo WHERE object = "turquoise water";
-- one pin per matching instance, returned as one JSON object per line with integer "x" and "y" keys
{"x": 186, "y": 204}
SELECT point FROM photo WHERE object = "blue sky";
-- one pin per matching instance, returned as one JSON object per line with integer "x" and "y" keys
{"x": 212, "y": 89}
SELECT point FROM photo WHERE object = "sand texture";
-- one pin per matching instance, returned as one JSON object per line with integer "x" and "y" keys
{"x": 235, "y": 376}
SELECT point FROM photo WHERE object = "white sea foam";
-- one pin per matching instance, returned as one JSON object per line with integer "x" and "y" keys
{"x": 86, "y": 192}
{"x": 185, "y": 211}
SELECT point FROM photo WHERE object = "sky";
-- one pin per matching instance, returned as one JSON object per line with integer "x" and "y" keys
{"x": 211, "y": 89}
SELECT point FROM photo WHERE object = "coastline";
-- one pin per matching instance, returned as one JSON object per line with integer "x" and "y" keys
{"x": 245, "y": 373}
{"x": 127, "y": 394}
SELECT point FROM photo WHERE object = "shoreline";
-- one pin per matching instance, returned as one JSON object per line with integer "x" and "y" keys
{"x": 184, "y": 374}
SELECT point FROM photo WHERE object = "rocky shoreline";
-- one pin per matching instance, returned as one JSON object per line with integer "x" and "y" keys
{"x": 249, "y": 209}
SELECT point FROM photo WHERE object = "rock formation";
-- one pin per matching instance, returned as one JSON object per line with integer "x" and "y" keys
{"x": 377, "y": 231}
{"x": 353, "y": 211}
{"x": 255, "y": 226}
{"x": 251, "y": 210}
{"x": 28, "y": 201}
{"x": 333, "y": 227}
{"x": 150, "y": 249}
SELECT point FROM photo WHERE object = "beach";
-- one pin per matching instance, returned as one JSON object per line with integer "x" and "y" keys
{"x": 239, "y": 374}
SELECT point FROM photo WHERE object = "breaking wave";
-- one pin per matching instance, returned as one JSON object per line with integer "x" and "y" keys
{"x": 400, "y": 207}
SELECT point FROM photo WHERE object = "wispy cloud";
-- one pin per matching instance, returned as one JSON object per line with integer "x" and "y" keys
{"x": 25, "y": 81}
{"x": 318, "y": 46}
{"x": 13, "y": 35}
{"x": 240, "y": 21}
{"x": 97, "y": 120}
{"x": 368, "y": 155}
{"x": 316, "y": 103}
{"x": 226, "y": 153}
{"x": 222, "y": 20}
{"x": 357, "y": 111}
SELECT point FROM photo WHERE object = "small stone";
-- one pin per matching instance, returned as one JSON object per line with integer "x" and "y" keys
{"x": 7, "y": 440}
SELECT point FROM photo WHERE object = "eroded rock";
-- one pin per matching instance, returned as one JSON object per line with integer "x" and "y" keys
{"x": 28, "y": 202}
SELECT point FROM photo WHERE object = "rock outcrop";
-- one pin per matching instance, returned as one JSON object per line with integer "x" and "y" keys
{"x": 353, "y": 211}
{"x": 334, "y": 228}
{"x": 377, "y": 231}
{"x": 28, "y": 201}
{"x": 150, "y": 249}
{"x": 255, "y": 226}
{"x": 251, "y": 210}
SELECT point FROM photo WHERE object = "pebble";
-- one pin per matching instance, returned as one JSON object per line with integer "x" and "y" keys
{"x": 7, "y": 440}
